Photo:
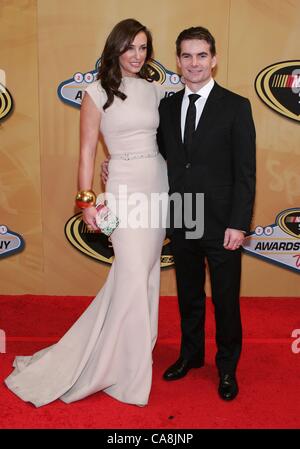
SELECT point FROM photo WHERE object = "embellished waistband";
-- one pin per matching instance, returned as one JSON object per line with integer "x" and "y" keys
{"x": 130, "y": 156}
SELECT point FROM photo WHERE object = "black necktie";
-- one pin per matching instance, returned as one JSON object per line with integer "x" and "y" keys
{"x": 189, "y": 127}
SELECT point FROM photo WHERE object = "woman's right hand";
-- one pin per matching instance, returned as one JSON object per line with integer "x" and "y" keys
{"x": 89, "y": 218}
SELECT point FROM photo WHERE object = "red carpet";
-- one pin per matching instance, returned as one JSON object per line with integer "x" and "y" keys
{"x": 268, "y": 374}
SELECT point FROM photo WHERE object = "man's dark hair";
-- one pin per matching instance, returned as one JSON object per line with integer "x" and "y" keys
{"x": 196, "y": 33}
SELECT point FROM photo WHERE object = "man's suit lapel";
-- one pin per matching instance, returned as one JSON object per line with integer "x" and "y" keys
{"x": 176, "y": 118}
{"x": 209, "y": 113}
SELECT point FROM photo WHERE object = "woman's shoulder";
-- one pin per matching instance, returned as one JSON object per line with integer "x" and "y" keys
{"x": 158, "y": 89}
{"x": 95, "y": 86}
{"x": 148, "y": 84}
{"x": 97, "y": 93}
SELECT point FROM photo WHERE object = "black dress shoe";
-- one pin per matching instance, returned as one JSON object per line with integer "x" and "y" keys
{"x": 228, "y": 387}
{"x": 180, "y": 368}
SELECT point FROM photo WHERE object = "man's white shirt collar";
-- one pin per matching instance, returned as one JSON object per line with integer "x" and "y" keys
{"x": 204, "y": 91}
{"x": 200, "y": 103}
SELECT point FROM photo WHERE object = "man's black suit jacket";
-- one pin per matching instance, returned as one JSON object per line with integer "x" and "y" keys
{"x": 221, "y": 161}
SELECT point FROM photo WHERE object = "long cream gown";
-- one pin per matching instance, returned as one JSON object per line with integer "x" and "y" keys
{"x": 110, "y": 346}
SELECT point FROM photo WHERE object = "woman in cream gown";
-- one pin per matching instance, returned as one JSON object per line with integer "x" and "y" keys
{"x": 109, "y": 347}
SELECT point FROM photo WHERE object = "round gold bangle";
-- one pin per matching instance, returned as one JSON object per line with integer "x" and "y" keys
{"x": 85, "y": 198}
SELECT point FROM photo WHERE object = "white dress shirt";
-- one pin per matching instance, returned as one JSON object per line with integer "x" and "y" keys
{"x": 200, "y": 103}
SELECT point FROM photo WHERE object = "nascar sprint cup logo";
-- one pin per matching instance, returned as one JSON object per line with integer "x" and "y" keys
{"x": 6, "y": 102}
{"x": 278, "y": 86}
{"x": 279, "y": 242}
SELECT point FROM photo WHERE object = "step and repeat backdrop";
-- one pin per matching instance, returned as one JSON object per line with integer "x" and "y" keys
{"x": 49, "y": 53}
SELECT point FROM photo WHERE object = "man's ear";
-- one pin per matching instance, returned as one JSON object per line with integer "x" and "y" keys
{"x": 214, "y": 61}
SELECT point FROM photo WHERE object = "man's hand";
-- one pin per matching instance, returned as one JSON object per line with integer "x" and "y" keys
{"x": 104, "y": 171}
{"x": 233, "y": 239}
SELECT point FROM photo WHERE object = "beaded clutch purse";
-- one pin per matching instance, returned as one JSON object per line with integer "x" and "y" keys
{"x": 106, "y": 220}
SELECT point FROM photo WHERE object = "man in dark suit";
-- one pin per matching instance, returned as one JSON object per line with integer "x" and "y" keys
{"x": 207, "y": 136}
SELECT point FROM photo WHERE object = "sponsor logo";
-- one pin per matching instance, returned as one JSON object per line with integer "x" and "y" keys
{"x": 6, "y": 102}
{"x": 98, "y": 246}
{"x": 278, "y": 86}
{"x": 10, "y": 242}
{"x": 72, "y": 90}
{"x": 278, "y": 243}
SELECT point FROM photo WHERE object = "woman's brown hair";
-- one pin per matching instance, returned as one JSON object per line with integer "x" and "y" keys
{"x": 117, "y": 43}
